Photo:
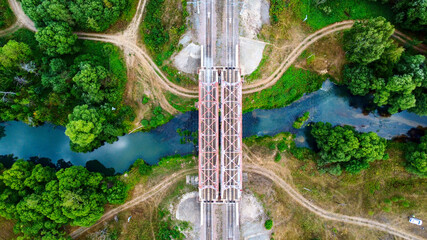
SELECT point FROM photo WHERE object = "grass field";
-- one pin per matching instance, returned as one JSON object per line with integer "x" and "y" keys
{"x": 291, "y": 221}
{"x": 385, "y": 192}
{"x": 180, "y": 103}
{"x": 291, "y": 86}
{"x": 339, "y": 11}
{"x": 7, "y": 17}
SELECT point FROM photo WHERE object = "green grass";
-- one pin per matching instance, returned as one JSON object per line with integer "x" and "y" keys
{"x": 180, "y": 103}
{"x": 340, "y": 11}
{"x": 301, "y": 120}
{"x": 7, "y": 17}
{"x": 162, "y": 37}
{"x": 129, "y": 11}
{"x": 159, "y": 117}
{"x": 290, "y": 87}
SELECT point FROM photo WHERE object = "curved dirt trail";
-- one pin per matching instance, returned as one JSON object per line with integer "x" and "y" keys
{"x": 401, "y": 37}
{"x": 292, "y": 57}
{"x": 20, "y": 15}
{"x": 297, "y": 197}
{"x": 12, "y": 28}
{"x": 129, "y": 40}
{"x": 131, "y": 31}
{"x": 162, "y": 186}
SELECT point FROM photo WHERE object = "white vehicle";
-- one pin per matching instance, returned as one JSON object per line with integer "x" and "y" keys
{"x": 416, "y": 221}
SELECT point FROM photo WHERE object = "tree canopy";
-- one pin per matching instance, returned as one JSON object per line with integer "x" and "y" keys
{"x": 85, "y": 124}
{"x": 396, "y": 80}
{"x": 342, "y": 146}
{"x": 42, "y": 201}
{"x": 14, "y": 53}
{"x": 93, "y": 15}
{"x": 367, "y": 40}
{"x": 411, "y": 14}
{"x": 57, "y": 39}
{"x": 416, "y": 157}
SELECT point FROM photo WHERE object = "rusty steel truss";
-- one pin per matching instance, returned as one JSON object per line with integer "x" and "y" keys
{"x": 208, "y": 135}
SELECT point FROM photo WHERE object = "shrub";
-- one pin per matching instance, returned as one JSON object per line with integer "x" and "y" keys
{"x": 268, "y": 224}
{"x": 278, "y": 157}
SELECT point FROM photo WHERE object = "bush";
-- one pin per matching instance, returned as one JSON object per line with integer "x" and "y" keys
{"x": 145, "y": 99}
{"x": 268, "y": 224}
{"x": 278, "y": 157}
{"x": 143, "y": 167}
{"x": 282, "y": 146}
{"x": 301, "y": 120}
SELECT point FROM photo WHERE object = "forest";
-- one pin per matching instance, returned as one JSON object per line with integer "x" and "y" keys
{"x": 343, "y": 148}
{"x": 43, "y": 198}
{"x": 51, "y": 76}
{"x": 395, "y": 78}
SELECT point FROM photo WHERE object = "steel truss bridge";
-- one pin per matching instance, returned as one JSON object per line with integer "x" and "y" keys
{"x": 220, "y": 123}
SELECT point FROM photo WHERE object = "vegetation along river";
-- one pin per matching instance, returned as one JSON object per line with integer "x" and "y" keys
{"x": 329, "y": 104}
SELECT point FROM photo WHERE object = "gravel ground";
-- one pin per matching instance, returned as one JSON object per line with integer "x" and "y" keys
{"x": 188, "y": 209}
{"x": 252, "y": 218}
{"x": 253, "y": 14}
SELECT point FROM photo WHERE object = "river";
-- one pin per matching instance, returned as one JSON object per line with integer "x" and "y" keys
{"x": 329, "y": 104}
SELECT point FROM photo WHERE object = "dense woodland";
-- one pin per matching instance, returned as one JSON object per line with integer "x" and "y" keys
{"x": 396, "y": 79}
{"x": 44, "y": 198}
{"x": 342, "y": 148}
{"x": 53, "y": 77}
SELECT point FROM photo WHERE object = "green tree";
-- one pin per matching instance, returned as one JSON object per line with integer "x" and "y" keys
{"x": 367, "y": 40}
{"x": 57, "y": 76}
{"x": 411, "y": 14}
{"x": 401, "y": 102}
{"x": 90, "y": 79}
{"x": 337, "y": 144}
{"x": 421, "y": 103}
{"x": 403, "y": 84}
{"x": 85, "y": 125}
{"x": 13, "y": 53}
{"x": 80, "y": 194}
{"x": 268, "y": 224}
{"x": 415, "y": 66}
{"x": 55, "y": 10}
{"x": 416, "y": 157}
{"x": 96, "y": 15}
{"x": 57, "y": 38}
{"x": 359, "y": 79}
{"x": 345, "y": 147}
{"x": 115, "y": 191}
{"x": 15, "y": 177}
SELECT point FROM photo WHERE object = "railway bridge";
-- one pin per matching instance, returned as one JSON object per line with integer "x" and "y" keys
{"x": 220, "y": 135}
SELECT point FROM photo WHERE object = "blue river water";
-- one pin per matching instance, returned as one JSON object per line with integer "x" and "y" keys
{"x": 329, "y": 104}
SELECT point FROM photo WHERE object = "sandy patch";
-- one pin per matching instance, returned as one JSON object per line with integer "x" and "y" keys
{"x": 250, "y": 54}
{"x": 188, "y": 209}
{"x": 252, "y": 219}
{"x": 188, "y": 59}
{"x": 253, "y": 15}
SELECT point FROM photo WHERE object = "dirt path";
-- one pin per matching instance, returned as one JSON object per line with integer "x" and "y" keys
{"x": 20, "y": 15}
{"x": 297, "y": 197}
{"x": 160, "y": 187}
{"x": 129, "y": 40}
{"x": 312, "y": 38}
{"x": 401, "y": 37}
{"x": 17, "y": 25}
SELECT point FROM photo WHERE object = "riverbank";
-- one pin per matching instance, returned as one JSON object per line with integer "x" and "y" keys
{"x": 331, "y": 103}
